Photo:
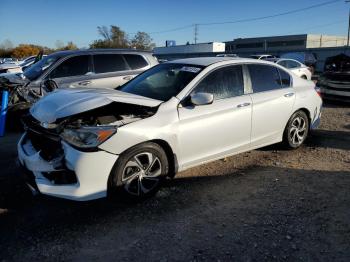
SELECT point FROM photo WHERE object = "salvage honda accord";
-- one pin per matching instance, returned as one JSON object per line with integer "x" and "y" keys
{"x": 86, "y": 144}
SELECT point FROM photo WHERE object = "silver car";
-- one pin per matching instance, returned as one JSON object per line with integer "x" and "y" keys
{"x": 107, "y": 68}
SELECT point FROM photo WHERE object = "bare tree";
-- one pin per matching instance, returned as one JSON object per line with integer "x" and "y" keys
{"x": 142, "y": 40}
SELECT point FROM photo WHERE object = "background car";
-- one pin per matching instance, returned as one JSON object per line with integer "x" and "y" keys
{"x": 227, "y": 55}
{"x": 82, "y": 144}
{"x": 307, "y": 58}
{"x": 100, "y": 68}
{"x": 296, "y": 67}
{"x": 263, "y": 57}
{"x": 17, "y": 67}
{"x": 335, "y": 81}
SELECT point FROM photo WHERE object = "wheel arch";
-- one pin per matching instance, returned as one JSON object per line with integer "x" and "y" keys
{"x": 171, "y": 156}
{"x": 303, "y": 109}
{"x": 307, "y": 112}
{"x": 172, "y": 159}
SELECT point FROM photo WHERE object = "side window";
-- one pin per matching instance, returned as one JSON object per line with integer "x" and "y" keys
{"x": 105, "y": 63}
{"x": 74, "y": 66}
{"x": 135, "y": 61}
{"x": 264, "y": 78}
{"x": 292, "y": 64}
{"x": 285, "y": 78}
{"x": 223, "y": 83}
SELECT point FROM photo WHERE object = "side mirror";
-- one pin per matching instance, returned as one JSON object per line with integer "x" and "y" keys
{"x": 49, "y": 85}
{"x": 200, "y": 99}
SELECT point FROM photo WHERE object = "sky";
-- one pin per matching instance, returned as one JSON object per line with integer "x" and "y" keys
{"x": 44, "y": 22}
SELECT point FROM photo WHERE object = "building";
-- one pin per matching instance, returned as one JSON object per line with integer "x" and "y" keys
{"x": 322, "y": 46}
{"x": 190, "y": 50}
{"x": 288, "y": 43}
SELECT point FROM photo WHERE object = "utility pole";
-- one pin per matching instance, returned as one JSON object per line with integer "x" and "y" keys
{"x": 196, "y": 33}
{"x": 347, "y": 1}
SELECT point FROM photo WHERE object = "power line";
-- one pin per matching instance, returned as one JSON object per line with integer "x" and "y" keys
{"x": 271, "y": 16}
{"x": 244, "y": 20}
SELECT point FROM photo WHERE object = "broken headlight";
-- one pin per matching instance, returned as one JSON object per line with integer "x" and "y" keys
{"x": 88, "y": 137}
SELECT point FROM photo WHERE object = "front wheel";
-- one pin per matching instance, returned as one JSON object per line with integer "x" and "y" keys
{"x": 140, "y": 171}
{"x": 296, "y": 130}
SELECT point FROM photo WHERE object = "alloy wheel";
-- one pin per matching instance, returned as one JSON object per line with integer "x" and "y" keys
{"x": 142, "y": 173}
{"x": 297, "y": 131}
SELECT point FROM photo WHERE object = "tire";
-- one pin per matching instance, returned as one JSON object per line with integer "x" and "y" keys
{"x": 139, "y": 172}
{"x": 296, "y": 130}
{"x": 304, "y": 77}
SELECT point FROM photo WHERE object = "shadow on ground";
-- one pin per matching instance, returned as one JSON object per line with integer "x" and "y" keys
{"x": 266, "y": 213}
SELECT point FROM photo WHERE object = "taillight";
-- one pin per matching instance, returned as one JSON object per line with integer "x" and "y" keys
{"x": 318, "y": 91}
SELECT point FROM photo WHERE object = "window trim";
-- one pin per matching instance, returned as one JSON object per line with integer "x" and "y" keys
{"x": 112, "y": 72}
{"x": 58, "y": 63}
{"x": 188, "y": 94}
{"x": 142, "y": 68}
{"x": 278, "y": 68}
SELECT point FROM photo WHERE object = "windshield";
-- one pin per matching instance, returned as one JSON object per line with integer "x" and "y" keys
{"x": 37, "y": 69}
{"x": 162, "y": 81}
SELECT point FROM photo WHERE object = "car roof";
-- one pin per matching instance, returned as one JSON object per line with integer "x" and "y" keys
{"x": 206, "y": 61}
{"x": 202, "y": 61}
{"x": 102, "y": 50}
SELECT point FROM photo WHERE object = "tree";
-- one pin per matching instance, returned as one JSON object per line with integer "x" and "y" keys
{"x": 24, "y": 50}
{"x": 6, "y": 44}
{"x": 143, "y": 41}
{"x": 113, "y": 37}
{"x": 70, "y": 46}
{"x": 59, "y": 44}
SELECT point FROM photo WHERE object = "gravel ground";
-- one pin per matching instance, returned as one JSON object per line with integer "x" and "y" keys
{"x": 267, "y": 204}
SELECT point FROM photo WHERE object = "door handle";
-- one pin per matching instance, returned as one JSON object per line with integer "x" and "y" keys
{"x": 84, "y": 83}
{"x": 289, "y": 94}
{"x": 127, "y": 78}
{"x": 243, "y": 105}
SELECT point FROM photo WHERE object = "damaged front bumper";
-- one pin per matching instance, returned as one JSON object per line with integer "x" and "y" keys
{"x": 75, "y": 175}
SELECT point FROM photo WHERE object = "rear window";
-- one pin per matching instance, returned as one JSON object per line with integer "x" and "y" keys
{"x": 136, "y": 61}
{"x": 285, "y": 78}
{"x": 105, "y": 63}
{"x": 264, "y": 78}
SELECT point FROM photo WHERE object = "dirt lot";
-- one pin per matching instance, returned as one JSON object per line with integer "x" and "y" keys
{"x": 267, "y": 204}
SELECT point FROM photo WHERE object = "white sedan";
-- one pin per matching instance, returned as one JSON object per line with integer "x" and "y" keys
{"x": 296, "y": 67}
{"x": 84, "y": 144}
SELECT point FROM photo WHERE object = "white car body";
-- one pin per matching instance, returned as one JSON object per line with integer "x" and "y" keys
{"x": 296, "y": 67}
{"x": 10, "y": 67}
{"x": 195, "y": 135}
{"x": 17, "y": 67}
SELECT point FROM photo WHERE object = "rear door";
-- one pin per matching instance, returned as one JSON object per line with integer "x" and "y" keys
{"x": 113, "y": 70}
{"x": 211, "y": 131}
{"x": 273, "y": 99}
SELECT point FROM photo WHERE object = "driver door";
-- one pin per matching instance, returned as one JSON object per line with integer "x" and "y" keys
{"x": 212, "y": 131}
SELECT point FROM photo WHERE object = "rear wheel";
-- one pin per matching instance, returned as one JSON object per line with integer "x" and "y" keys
{"x": 304, "y": 77}
{"x": 140, "y": 171}
{"x": 296, "y": 130}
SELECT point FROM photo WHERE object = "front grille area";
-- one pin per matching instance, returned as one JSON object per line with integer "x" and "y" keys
{"x": 48, "y": 142}
{"x": 61, "y": 177}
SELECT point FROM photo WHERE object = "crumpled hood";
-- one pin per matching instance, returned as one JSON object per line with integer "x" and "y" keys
{"x": 8, "y": 66}
{"x": 67, "y": 102}
{"x": 12, "y": 78}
